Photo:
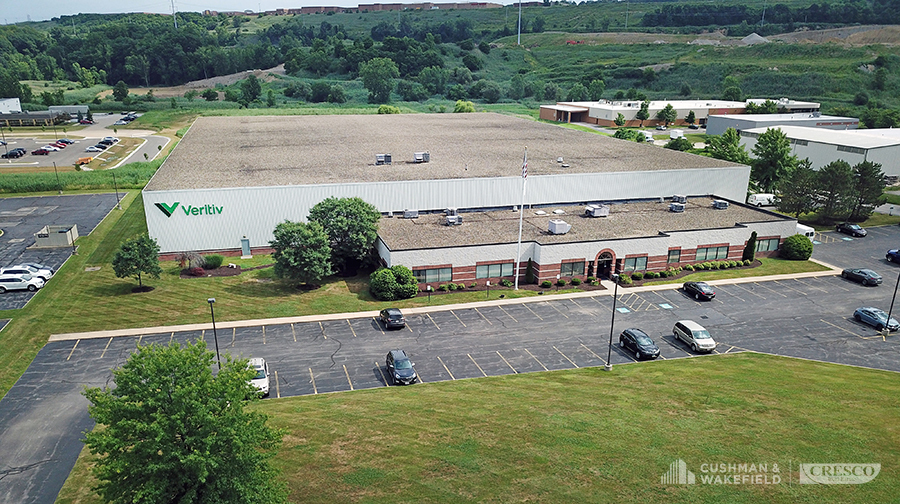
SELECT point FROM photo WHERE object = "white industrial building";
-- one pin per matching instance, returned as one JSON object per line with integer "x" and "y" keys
{"x": 231, "y": 180}
{"x": 10, "y": 106}
{"x": 822, "y": 146}
{"x": 717, "y": 124}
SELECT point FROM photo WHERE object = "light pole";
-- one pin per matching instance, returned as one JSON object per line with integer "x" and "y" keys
{"x": 58, "y": 183}
{"x": 614, "y": 278}
{"x": 488, "y": 292}
{"x": 116, "y": 184}
{"x": 429, "y": 289}
{"x": 891, "y": 309}
{"x": 215, "y": 336}
{"x": 557, "y": 283}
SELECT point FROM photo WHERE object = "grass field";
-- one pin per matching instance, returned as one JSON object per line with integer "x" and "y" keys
{"x": 588, "y": 435}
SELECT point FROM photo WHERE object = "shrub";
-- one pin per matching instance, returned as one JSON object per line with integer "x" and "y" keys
{"x": 389, "y": 284}
{"x": 213, "y": 261}
{"x": 637, "y": 275}
{"x": 529, "y": 272}
{"x": 796, "y": 248}
{"x": 388, "y": 109}
{"x": 747, "y": 262}
{"x": 506, "y": 283}
{"x": 576, "y": 281}
{"x": 709, "y": 265}
{"x": 722, "y": 265}
{"x": 197, "y": 272}
{"x": 651, "y": 274}
{"x": 688, "y": 267}
{"x": 473, "y": 285}
{"x": 546, "y": 284}
{"x": 595, "y": 282}
{"x": 590, "y": 279}
{"x": 442, "y": 288}
{"x": 625, "y": 280}
{"x": 452, "y": 286}
{"x": 732, "y": 264}
{"x": 560, "y": 282}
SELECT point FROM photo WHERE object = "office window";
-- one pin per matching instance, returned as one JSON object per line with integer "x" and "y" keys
{"x": 572, "y": 269}
{"x": 767, "y": 245}
{"x": 712, "y": 253}
{"x": 433, "y": 275}
{"x": 634, "y": 264}
{"x": 674, "y": 256}
{"x": 494, "y": 270}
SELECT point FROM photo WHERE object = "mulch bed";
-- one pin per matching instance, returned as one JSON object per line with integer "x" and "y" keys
{"x": 223, "y": 271}
{"x": 685, "y": 273}
{"x": 522, "y": 286}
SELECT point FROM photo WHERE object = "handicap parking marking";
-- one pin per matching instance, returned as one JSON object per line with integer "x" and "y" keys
{"x": 666, "y": 300}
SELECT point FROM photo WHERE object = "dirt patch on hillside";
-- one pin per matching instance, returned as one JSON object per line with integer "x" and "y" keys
{"x": 226, "y": 80}
{"x": 852, "y": 35}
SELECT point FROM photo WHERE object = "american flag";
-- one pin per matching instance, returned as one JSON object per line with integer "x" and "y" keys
{"x": 525, "y": 166}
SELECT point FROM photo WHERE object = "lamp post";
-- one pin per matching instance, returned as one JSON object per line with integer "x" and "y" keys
{"x": 614, "y": 278}
{"x": 58, "y": 183}
{"x": 116, "y": 184}
{"x": 429, "y": 289}
{"x": 887, "y": 330}
{"x": 215, "y": 336}
{"x": 557, "y": 282}
{"x": 488, "y": 292}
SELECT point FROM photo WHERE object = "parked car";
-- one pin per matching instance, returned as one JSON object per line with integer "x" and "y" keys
{"x": 851, "y": 229}
{"x": 50, "y": 148}
{"x": 261, "y": 379}
{"x": 101, "y": 146}
{"x": 19, "y": 282}
{"x": 66, "y": 141}
{"x": 392, "y": 318}
{"x": 110, "y": 139}
{"x": 14, "y": 154}
{"x": 93, "y": 148}
{"x": 864, "y": 276}
{"x": 875, "y": 318}
{"x": 694, "y": 335}
{"x": 401, "y": 369}
{"x": 120, "y": 122}
{"x": 638, "y": 342}
{"x": 42, "y": 273}
{"x": 85, "y": 121}
{"x": 693, "y": 126}
{"x": 661, "y": 127}
{"x": 40, "y": 152}
{"x": 893, "y": 255}
{"x": 40, "y": 267}
{"x": 699, "y": 290}
{"x": 58, "y": 145}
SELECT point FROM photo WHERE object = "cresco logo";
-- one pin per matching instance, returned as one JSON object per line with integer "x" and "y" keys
{"x": 189, "y": 210}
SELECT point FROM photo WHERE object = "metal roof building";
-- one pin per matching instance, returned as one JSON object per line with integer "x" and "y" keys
{"x": 717, "y": 124}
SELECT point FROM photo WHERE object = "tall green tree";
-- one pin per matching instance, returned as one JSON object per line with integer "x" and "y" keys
{"x": 835, "y": 181}
{"x": 750, "y": 248}
{"x": 251, "y": 88}
{"x": 171, "y": 431}
{"x": 667, "y": 114}
{"x": 691, "y": 118}
{"x": 378, "y": 76}
{"x": 137, "y": 257}
{"x": 120, "y": 91}
{"x": 727, "y": 146}
{"x": 576, "y": 93}
{"x": 620, "y": 120}
{"x": 596, "y": 89}
{"x": 644, "y": 113}
{"x": 868, "y": 189}
{"x": 799, "y": 193}
{"x": 302, "y": 253}
{"x": 352, "y": 227}
{"x": 774, "y": 160}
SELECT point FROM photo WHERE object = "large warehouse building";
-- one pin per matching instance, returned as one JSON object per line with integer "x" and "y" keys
{"x": 717, "y": 124}
{"x": 231, "y": 180}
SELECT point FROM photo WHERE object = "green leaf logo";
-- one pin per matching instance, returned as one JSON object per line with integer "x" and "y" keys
{"x": 167, "y": 209}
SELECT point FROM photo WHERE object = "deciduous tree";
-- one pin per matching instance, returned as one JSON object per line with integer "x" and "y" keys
{"x": 352, "y": 227}
{"x": 302, "y": 253}
{"x": 835, "y": 181}
{"x": 378, "y": 76}
{"x": 251, "y": 88}
{"x": 137, "y": 257}
{"x": 667, "y": 114}
{"x": 727, "y": 146}
{"x": 868, "y": 189}
{"x": 774, "y": 160}
{"x": 644, "y": 113}
{"x": 120, "y": 91}
{"x": 799, "y": 192}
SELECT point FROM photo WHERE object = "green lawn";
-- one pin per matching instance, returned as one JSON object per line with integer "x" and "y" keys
{"x": 587, "y": 435}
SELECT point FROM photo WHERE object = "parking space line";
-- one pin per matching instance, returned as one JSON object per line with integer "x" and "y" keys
{"x": 264, "y": 335}
{"x": 140, "y": 338}
{"x": 171, "y": 337}
{"x": 482, "y": 316}
{"x": 536, "y": 359}
{"x": 791, "y": 288}
{"x": 383, "y": 378}
{"x": 809, "y": 285}
{"x": 845, "y": 330}
{"x": 233, "y": 335}
{"x": 203, "y": 335}
{"x": 566, "y": 357}
{"x": 325, "y": 336}
{"x": 507, "y": 362}
{"x": 739, "y": 286}
{"x": 730, "y": 349}
{"x": 594, "y": 354}
{"x": 432, "y": 321}
{"x": 665, "y": 300}
{"x": 532, "y": 311}
{"x": 579, "y": 305}
{"x": 446, "y": 368}
{"x": 73, "y": 349}
{"x": 378, "y": 325}
{"x": 348, "y": 376}
{"x": 418, "y": 376}
{"x": 351, "y": 328}
{"x": 457, "y": 318}
{"x": 510, "y": 316}
{"x": 409, "y": 328}
{"x": 476, "y": 364}
{"x": 277, "y": 386}
{"x": 557, "y": 309}
{"x": 107, "y": 346}
{"x": 312, "y": 379}
{"x": 768, "y": 288}
{"x": 294, "y": 333}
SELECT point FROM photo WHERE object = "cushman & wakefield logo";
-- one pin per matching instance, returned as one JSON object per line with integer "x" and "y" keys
{"x": 769, "y": 474}
{"x": 189, "y": 209}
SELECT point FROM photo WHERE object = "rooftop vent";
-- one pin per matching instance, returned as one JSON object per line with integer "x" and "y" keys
{"x": 559, "y": 211}
{"x": 540, "y": 212}
{"x": 453, "y": 220}
{"x": 720, "y": 204}
{"x": 596, "y": 211}
{"x": 382, "y": 159}
{"x": 559, "y": 159}
{"x": 559, "y": 227}
{"x": 679, "y": 198}
{"x": 410, "y": 214}
{"x": 421, "y": 157}
{"x": 676, "y": 207}
{"x": 390, "y": 215}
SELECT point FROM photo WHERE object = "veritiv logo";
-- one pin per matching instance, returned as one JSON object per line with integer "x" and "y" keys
{"x": 189, "y": 210}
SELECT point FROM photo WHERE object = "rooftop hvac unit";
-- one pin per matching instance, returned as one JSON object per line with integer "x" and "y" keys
{"x": 421, "y": 157}
{"x": 390, "y": 215}
{"x": 676, "y": 207}
{"x": 453, "y": 220}
{"x": 596, "y": 211}
{"x": 382, "y": 159}
{"x": 559, "y": 227}
{"x": 720, "y": 204}
{"x": 410, "y": 214}
{"x": 679, "y": 198}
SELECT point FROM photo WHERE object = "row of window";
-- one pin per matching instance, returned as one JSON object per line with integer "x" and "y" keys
{"x": 577, "y": 268}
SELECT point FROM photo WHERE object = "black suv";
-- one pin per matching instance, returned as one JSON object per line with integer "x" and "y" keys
{"x": 638, "y": 342}
{"x": 400, "y": 368}
{"x": 14, "y": 153}
{"x": 392, "y": 318}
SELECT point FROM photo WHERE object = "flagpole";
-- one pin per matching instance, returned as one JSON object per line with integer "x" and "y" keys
{"x": 521, "y": 215}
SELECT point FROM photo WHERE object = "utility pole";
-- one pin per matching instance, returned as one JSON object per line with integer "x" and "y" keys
{"x": 174, "y": 14}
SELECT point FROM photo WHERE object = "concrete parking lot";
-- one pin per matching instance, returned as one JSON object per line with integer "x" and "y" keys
{"x": 799, "y": 317}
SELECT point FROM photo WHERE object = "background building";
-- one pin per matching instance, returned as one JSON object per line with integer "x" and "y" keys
{"x": 717, "y": 124}
{"x": 10, "y": 106}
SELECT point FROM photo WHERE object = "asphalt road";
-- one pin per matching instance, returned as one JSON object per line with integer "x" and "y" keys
{"x": 43, "y": 415}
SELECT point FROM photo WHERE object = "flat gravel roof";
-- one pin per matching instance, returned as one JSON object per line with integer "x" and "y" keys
{"x": 625, "y": 220}
{"x": 254, "y": 151}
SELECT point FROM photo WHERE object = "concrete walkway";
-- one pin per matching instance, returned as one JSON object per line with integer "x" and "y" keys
{"x": 140, "y": 331}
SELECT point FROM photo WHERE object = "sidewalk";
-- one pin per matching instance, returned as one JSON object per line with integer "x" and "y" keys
{"x": 143, "y": 331}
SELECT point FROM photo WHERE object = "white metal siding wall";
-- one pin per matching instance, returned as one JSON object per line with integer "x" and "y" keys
{"x": 820, "y": 154}
{"x": 255, "y": 211}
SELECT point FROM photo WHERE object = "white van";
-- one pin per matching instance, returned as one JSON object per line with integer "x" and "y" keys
{"x": 648, "y": 137}
{"x": 760, "y": 200}
{"x": 806, "y": 231}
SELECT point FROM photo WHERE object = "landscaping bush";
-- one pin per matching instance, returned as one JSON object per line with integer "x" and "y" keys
{"x": 637, "y": 275}
{"x": 561, "y": 282}
{"x": 197, "y": 272}
{"x": 546, "y": 284}
{"x": 732, "y": 264}
{"x": 506, "y": 283}
{"x": 576, "y": 281}
{"x": 651, "y": 274}
{"x": 796, "y": 248}
{"x": 389, "y": 284}
{"x": 625, "y": 280}
{"x": 747, "y": 262}
{"x": 213, "y": 261}
{"x": 723, "y": 265}
{"x": 442, "y": 288}
{"x": 590, "y": 280}
{"x": 709, "y": 265}
{"x": 473, "y": 285}
{"x": 595, "y": 282}
{"x": 688, "y": 267}
{"x": 452, "y": 286}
